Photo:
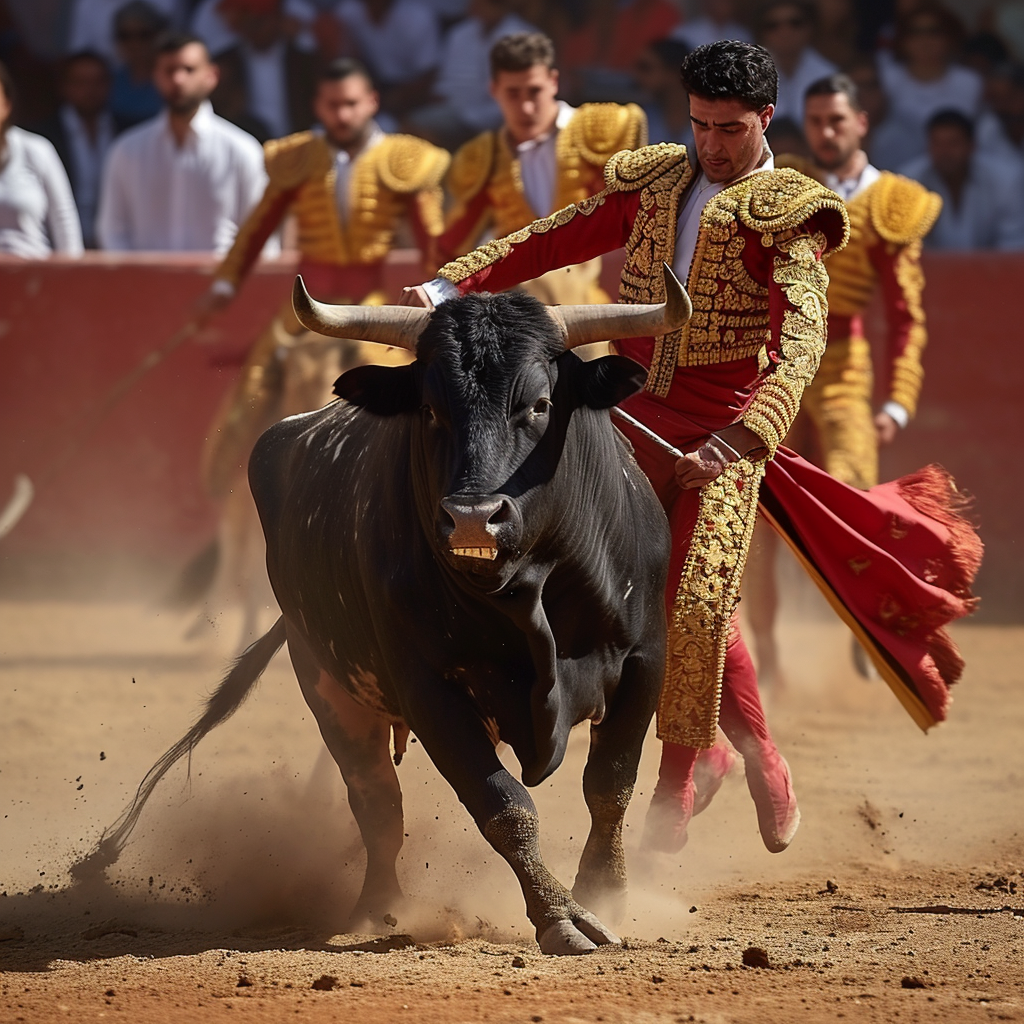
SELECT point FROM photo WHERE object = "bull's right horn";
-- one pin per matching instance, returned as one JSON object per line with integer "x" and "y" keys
{"x": 387, "y": 325}
{"x": 585, "y": 324}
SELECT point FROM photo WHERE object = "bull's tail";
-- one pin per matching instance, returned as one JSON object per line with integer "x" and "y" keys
{"x": 223, "y": 703}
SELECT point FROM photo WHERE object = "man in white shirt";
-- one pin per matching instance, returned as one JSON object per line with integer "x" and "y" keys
{"x": 185, "y": 180}
{"x": 717, "y": 21}
{"x": 981, "y": 194}
{"x": 785, "y": 28}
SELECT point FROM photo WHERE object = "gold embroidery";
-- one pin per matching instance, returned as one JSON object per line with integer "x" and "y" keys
{"x": 804, "y": 283}
{"x": 902, "y": 211}
{"x": 708, "y": 592}
{"x": 493, "y": 251}
{"x": 907, "y": 372}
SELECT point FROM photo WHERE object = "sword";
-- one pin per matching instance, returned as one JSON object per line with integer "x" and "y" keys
{"x": 24, "y": 490}
{"x": 646, "y": 431}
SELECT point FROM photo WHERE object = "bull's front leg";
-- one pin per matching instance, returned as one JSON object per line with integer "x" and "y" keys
{"x": 615, "y": 747}
{"x": 454, "y": 737}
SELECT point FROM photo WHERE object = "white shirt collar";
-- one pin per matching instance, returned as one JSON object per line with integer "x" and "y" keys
{"x": 562, "y": 118}
{"x": 853, "y": 186}
{"x": 200, "y": 125}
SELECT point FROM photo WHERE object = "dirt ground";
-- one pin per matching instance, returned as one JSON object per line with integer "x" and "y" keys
{"x": 902, "y": 896}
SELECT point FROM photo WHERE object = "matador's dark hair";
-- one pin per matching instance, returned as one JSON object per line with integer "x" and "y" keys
{"x": 835, "y": 85}
{"x": 341, "y": 68}
{"x": 732, "y": 70}
{"x": 521, "y": 51}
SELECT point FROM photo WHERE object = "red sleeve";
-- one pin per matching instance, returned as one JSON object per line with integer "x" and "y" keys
{"x": 253, "y": 234}
{"x": 578, "y": 233}
{"x": 902, "y": 281}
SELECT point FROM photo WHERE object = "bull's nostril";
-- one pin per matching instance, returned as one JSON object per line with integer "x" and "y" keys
{"x": 502, "y": 514}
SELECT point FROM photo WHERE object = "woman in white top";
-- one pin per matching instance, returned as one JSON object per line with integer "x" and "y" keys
{"x": 37, "y": 210}
{"x": 920, "y": 77}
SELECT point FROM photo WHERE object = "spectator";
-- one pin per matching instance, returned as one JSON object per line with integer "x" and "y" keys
{"x": 838, "y": 35}
{"x": 400, "y": 43}
{"x": 890, "y": 142}
{"x": 717, "y": 21}
{"x": 37, "y": 209}
{"x": 463, "y": 104}
{"x": 82, "y": 131}
{"x": 266, "y": 82}
{"x": 667, "y": 107}
{"x": 981, "y": 196}
{"x": 920, "y": 78}
{"x": 185, "y": 180}
{"x": 1000, "y": 130}
{"x": 93, "y": 24}
{"x": 133, "y": 98}
{"x": 599, "y": 55}
{"x": 984, "y": 52}
{"x": 785, "y": 28}
{"x": 207, "y": 21}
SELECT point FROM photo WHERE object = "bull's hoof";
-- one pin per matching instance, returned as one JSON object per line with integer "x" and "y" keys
{"x": 573, "y": 938}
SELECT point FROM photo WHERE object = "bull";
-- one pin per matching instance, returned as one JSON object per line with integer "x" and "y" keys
{"x": 464, "y": 548}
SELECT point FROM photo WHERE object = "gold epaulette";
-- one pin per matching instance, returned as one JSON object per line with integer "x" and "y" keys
{"x": 471, "y": 167}
{"x": 599, "y": 130}
{"x": 407, "y": 164}
{"x": 799, "y": 163}
{"x": 631, "y": 170}
{"x": 296, "y": 158}
{"x": 778, "y": 203}
{"x": 902, "y": 210}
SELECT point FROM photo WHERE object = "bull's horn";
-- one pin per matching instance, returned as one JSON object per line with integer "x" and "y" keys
{"x": 387, "y": 325}
{"x": 585, "y": 324}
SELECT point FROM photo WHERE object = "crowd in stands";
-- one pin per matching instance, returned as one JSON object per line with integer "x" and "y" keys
{"x": 942, "y": 84}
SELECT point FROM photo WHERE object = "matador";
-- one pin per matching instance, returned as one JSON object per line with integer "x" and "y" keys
{"x": 349, "y": 186}
{"x": 837, "y": 427}
{"x": 896, "y": 562}
{"x": 547, "y": 155}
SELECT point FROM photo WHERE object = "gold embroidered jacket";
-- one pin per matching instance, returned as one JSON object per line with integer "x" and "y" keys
{"x": 400, "y": 176}
{"x": 757, "y": 280}
{"x": 486, "y": 184}
{"x": 888, "y": 221}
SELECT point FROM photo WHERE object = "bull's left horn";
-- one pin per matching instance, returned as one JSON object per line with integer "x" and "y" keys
{"x": 585, "y": 324}
{"x": 387, "y": 325}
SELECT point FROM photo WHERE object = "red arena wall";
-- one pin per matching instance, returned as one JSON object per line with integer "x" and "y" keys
{"x": 70, "y": 329}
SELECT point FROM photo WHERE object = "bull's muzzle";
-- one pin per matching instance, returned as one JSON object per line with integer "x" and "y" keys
{"x": 478, "y": 527}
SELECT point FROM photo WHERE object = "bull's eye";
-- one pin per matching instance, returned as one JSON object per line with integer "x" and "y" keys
{"x": 428, "y": 413}
{"x": 541, "y": 407}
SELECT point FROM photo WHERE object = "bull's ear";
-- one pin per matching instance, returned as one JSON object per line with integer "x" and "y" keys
{"x": 382, "y": 390}
{"x": 602, "y": 383}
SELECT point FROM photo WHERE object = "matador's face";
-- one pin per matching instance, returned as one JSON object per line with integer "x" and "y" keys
{"x": 728, "y": 136}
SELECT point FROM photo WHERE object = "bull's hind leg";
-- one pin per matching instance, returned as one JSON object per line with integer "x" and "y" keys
{"x": 360, "y": 742}
{"x": 615, "y": 746}
{"x": 505, "y": 814}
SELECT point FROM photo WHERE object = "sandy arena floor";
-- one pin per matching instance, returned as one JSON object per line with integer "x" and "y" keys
{"x": 902, "y": 896}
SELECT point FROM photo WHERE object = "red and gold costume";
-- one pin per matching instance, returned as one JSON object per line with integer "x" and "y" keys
{"x": 397, "y": 178}
{"x": 888, "y": 221}
{"x": 897, "y": 562}
{"x": 486, "y": 183}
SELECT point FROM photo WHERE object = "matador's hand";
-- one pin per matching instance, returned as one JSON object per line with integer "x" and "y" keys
{"x": 697, "y": 469}
{"x": 886, "y": 428}
{"x": 416, "y": 296}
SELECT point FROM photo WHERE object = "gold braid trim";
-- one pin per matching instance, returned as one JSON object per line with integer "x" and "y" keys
{"x": 295, "y": 159}
{"x": 471, "y": 168}
{"x": 907, "y": 372}
{"x": 902, "y": 210}
{"x": 708, "y": 592}
{"x": 492, "y": 252}
{"x": 407, "y": 164}
{"x": 599, "y": 130}
{"x": 632, "y": 170}
{"x": 804, "y": 283}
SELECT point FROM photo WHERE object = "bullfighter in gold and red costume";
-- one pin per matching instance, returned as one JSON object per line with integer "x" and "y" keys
{"x": 546, "y": 156}
{"x": 837, "y": 426}
{"x": 896, "y": 562}
{"x": 349, "y": 188}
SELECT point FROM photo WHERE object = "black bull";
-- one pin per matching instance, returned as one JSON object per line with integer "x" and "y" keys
{"x": 465, "y": 548}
